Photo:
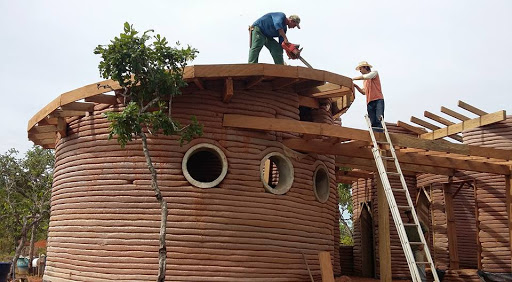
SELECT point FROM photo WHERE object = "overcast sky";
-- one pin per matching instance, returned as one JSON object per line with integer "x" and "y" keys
{"x": 428, "y": 53}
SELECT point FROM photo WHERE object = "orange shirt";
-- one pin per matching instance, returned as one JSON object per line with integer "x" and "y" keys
{"x": 373, "y": 89}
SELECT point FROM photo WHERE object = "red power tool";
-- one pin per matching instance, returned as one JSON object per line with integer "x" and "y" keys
{"x": 293, "y": 52}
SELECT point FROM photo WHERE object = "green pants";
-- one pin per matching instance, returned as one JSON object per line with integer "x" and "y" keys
{"x": 258, "y": 41}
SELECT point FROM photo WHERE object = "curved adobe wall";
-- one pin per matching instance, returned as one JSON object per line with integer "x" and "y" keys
{"x": 105, "y": 221}
{"x": 491, "y": 198}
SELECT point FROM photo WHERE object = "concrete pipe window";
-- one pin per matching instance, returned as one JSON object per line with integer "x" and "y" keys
{"x": 321, "y": 183}
{"x": 276, "y": 173}
{"x": 204, "y": 165}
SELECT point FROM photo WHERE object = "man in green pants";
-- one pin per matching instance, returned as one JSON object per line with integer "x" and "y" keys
{"x": 263, "y": 31}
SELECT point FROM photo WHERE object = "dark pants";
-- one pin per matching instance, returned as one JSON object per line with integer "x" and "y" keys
{"x": 375, "y": 111}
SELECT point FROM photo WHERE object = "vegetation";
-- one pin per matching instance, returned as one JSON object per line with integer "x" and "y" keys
{"x": 150, "y": 75}
{"x": 25, "y": 190}
{"x": 345, "y": 206}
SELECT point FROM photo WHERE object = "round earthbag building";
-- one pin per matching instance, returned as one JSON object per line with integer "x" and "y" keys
{"x": 242, "y": 206}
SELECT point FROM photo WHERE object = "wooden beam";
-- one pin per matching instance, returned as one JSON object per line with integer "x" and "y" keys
{"x": 103, "y": 99}
{"x": 472, "y": 109}
{"x": 346, "y": 179}
{"x": 228, "y": 90}
{"x": 451, "y": 227}
{"x": 78, "y": 106}
{"x": 324, "y": 259}
{"x": 454, "y": 114}
{"x": 354, "y": 174}
{"x": 321, "y": 129}
{"x": 62, "y": 127}
{"x": 433, "y": 127}
{"x": 437, "y": 118}
{"x": 414, "y": 129}
{"x": 319, "y": 147}
{"x": 61, "y": 113}
{"x": 43, "y": 129}
{"x": 466, "y": 125}
{"x": 283, "y": 82}
{"x": 199, "y": 83}
{"x": 253, "y": 81}
{"x": 308, "y": 102}
{"x": 41, "y": 136}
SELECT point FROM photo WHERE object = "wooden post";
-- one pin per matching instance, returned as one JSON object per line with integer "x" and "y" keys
{"x": 384, "y": 240}
{"x": 326, "y": 266}
{"x": 477, "y": 216}
{"x": 508, "y": 184}
{"x": 451, "y": 228}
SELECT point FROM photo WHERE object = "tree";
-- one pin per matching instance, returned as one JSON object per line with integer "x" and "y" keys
{"x": 25, "y": 190}
{"x": 150, "y": 75}
{"x": 345, "y": 206}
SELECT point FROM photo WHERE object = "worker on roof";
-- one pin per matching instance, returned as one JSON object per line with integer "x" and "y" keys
{"x": 263, "y": 31}
{"x": 373, "y": 91}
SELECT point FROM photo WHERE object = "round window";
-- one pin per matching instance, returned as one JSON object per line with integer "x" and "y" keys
{"x": 204, "y": 165}
{"x": 276, "y": 173}
{"x": 321, "y": 183}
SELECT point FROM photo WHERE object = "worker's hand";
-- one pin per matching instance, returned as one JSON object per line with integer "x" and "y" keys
{"x": 286, "y": 41}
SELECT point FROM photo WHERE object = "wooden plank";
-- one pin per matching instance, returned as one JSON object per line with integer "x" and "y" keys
{"x": 451, "y": 227}
{"x": 43, "y": 129}
{"x": 41, "y": 136}
{"x": 228, "y": 90}
{"x": 308, "y": 102}
{"x": 333, "y": 94}
{"x": 103, "y": 99}
{"x": 346, "y": 179}
{"x": 354, "y": 173}
{"x": 466, "y": 125}
{"x": 78, "y": 106}
{"x": 283, "y": 82}
{"x": 319, "y": 147}
{"x": 470, "y": 108}
{"x": 253, "y": 81}
{"x": 324, "y": 259}
{"x": 414, "y": 129}
{"x": 400, "y": 140}
{"x": 454, "y": 114}
{"x": 437, "y": 118}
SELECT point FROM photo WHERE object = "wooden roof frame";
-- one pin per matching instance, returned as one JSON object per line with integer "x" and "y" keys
{"x": 313, "y": 86}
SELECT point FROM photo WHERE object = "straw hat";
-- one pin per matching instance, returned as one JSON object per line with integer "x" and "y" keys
{"x": 363, "y": 64}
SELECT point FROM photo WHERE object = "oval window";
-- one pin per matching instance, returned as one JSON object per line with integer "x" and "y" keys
{"x": 204, "y": 165}
{"x": 276, "y": 173}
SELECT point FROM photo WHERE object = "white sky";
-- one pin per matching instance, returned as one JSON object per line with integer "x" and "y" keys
{"x": 428, "y": 53}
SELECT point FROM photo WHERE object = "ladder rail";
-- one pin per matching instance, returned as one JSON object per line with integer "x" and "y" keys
{"x": 393, "y": 207}
{"x": 410, "y": 203}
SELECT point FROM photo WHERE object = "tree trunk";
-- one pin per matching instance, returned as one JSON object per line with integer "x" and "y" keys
{"x": 31, "y": 250}
{"x": 20, "y": 246}
{"x": 162, "y": 251}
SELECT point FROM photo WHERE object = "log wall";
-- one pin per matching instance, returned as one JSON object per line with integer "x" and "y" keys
{"x": 105, "y": 220}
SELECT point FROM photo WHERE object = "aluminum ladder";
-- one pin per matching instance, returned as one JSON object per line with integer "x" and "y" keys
{"x": 394, "y": 208}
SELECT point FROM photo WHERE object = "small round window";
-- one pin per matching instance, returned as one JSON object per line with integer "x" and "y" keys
{"x": 276, "y": 173}
{"x": 321, "y": 183}
{"x": 204, "y": 165}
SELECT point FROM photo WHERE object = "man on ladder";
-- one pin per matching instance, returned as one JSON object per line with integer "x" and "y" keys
{"x": 373, "y": 92}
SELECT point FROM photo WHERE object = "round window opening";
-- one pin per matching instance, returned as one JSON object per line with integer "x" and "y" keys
{"x": 276, "y": 173}
{"x": 204, "y": 165}
{"x": 321, "y": 183}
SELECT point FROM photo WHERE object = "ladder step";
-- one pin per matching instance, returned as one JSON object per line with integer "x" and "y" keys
{"x": 416, "y": 243}
{"x": 398, "y": 190}
{"x": 422, "y": 262}
{"x": 388, "y": 158}
{"x": 407, "y": 208}
{"x": 410, "y": 224}
{"x": 382, "y": 142}
{"x": 393, "y": 173}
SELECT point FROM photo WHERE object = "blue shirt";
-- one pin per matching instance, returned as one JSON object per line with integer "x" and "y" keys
{"x": 270, "y": 23}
